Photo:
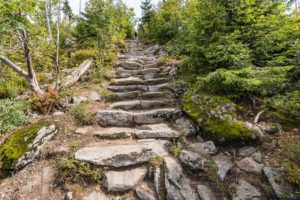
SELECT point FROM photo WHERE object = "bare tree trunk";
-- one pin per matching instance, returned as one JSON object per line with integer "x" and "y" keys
{"x": 57, "y": 48}
{"x": 47, "y": 6}
{"x": 31, "y": 74}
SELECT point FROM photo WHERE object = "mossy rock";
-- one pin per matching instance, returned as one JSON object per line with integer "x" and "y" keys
{"x": 227, "y": 131}
{"x": 17, "y": 144}
{"x": 216, "y": 115}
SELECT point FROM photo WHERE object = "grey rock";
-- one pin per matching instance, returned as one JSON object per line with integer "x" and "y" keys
{"x": 95, "y": 196}
{"x": 94, "y": 96}
{"x": 58, "y": 113}
{"x": 193, "y": 160}
{"x": 114, "y": 118}
{"x": 224, "y": 164}
{"x": 127, "y": 88}
{"x": 282, "y": 189}
{"x": 244, "y": 190}
{"x": 205, "y": 193}
{"x": 113, "y": 133}
{"x": 118, "y": 181}
{"x": 203, "y": 147}
{"x": 158, "y": 180}
{"x": 186, "y": 126}
{"x": 177, "y": 185}
{"x": 250, "y": 165}
{"x": 257, "y": 157}
{"x": 127, "y": 95}
{"x": 36, "y": 147}
{"x": 128, "y": 81}
{"x": 78, "y": 99}
{"x": 130, "y": 65}
{"x": 69, "y": 196}
{"x": 254, "y": 128}
{"x": 158, "y": 88}
{"x": 122, "y": 155}
{"x": 144, "y": 193}
{"x": 154, "y": 116}
{"x": 246, "y": 151}
{"x": 126, "y": 105}
{"x": 160, "y": 131}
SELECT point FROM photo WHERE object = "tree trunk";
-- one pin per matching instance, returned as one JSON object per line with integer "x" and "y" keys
{"x": 57, "y": 48}
{"x": 47, "y": 6}
{"x": 31, "y": 74}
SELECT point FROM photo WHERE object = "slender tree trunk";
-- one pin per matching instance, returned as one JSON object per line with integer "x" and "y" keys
{"x": 79, "y": 8}
{"x": 47, "y": 6}
{"x": 57, "y": 48}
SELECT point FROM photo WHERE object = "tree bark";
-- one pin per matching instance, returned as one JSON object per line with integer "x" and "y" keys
{"x": 47, "y": 6}
{"x": 57, "y": 48}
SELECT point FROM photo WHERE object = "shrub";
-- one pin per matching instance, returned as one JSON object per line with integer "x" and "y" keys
{"x": 12, "y": 115}
{"x": 287, "y": 104}
{"x": 262, "y": 82}
{"x": 289, "y": 158}
{"x": 12, "y": 87}
{"x": 80, "y": 56}
{"x": 81, "y": 114}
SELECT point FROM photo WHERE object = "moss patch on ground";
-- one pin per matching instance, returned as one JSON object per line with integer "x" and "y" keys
{"x": 16, "y": 145}
{"x": 217, "y": 116}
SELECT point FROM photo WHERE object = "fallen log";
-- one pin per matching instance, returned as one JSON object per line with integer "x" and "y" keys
{"x": 78, "y": 73}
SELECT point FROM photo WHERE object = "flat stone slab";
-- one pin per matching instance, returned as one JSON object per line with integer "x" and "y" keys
{"x": 244, "y": 190}
{"x": 159, "y": 131}
{"x": 153, "y": 116}
{"x": 128, "y": 88}
{"x": 158, "y": 88}
{"x": 224, "y": 164}
{"x": 127, "y": 81}
{"x": 139, "y": 104}
{"x": 193, "y": 160}
{"x": 119, "y": 181}
{"x": 177, "y": 185}
{"x": 127, "y": 95}
{"x": 115, "y": 118}
{"x": 155, "y": 81}
{"x": 113, "y": 133}
{"x": 144, "y": 193}
{"x": 121, "y": 155}
{"x": 130, "y": 65}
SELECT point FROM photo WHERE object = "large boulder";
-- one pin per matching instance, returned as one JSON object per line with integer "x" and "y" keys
{"x": 186, "y": 126}
{"x": 119, "y": 181}
{"x": 177, "y": 185}
{"x": 25, "y": 145}
{"x": 250, "y": 165}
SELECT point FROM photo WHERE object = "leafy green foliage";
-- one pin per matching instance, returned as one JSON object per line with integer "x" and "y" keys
{"x": 12, "y": 86}
{"x": 289, "y": 158}
{"x": 81, "y": 114}
{"x": 12, "y": 115}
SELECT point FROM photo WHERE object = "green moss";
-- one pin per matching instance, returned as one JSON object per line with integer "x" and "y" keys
{"x": 16, "y": 145}
{"x": 227, "y": 131}
{"x": 216, "y": 115}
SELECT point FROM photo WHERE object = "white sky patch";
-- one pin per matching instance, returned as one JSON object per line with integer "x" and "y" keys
{"x": 135, "y": 4}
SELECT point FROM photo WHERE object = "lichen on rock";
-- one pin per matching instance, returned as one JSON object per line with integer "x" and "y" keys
{"x": 19, "y": 143}
{"x": 216, "y": 115}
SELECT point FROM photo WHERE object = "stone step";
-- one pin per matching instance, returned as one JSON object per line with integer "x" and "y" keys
{"x": 114, "y": 154}
{"x": 120, "y": 71}
{"x": 127, "y": 95}
{"x": 130, "y": 65}
{"x": 156, "y": 81}
{"x": 113, "y": 133}
{"x": 127, "y": 88}
{"x": 158, "y": 88}
{"x": 151, "y": 65}
{"x": 140, "y": 104}
{"x": 127, "y": 81}
{"x": 151, "y": 95}
{"x": 157, "y": 131}
{"x": 120, "y": 118}
{"x": 122, "y": 96}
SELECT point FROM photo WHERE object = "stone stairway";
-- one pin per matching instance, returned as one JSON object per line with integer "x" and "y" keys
{"x": 134, "y": 130}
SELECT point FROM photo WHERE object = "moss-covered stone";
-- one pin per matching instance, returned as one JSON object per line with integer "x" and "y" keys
{"x": 17, "y": 144}
{"x": 217, "y": 116}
